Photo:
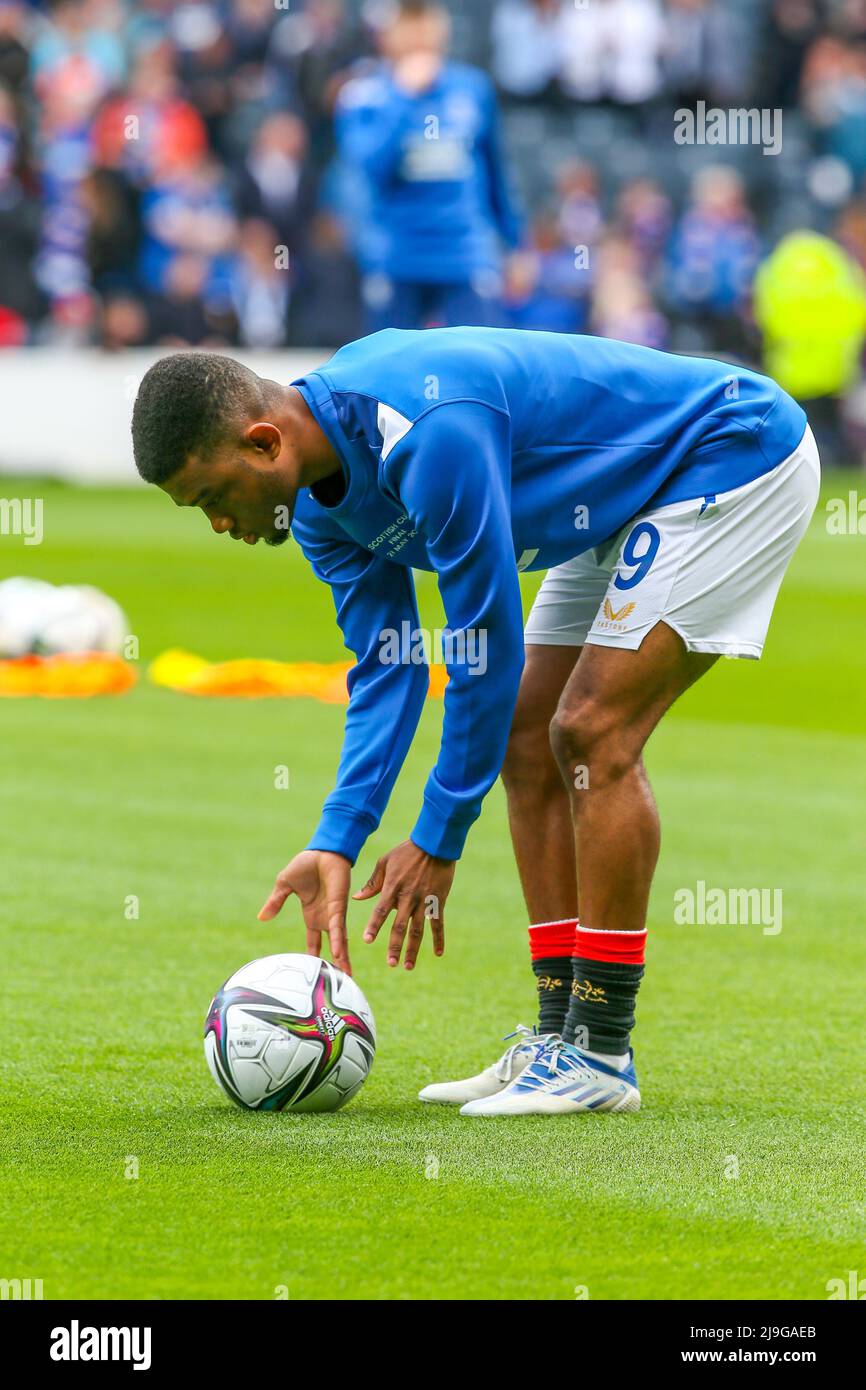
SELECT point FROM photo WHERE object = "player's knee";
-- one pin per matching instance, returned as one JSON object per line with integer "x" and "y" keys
{"x": 588, "y": 743}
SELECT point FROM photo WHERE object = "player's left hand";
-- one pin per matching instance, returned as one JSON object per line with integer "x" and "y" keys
{"x": 413, "y": 884}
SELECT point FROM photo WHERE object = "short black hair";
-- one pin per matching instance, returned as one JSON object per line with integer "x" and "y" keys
{"x": 187, "y": 404}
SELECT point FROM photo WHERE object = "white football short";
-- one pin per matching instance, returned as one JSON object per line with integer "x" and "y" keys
{"x": 710, "y": 568}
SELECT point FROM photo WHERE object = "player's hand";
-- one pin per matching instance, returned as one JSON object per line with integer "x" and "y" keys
{"x": 320, "y": 881}
{"x": 414, "y": 885}
{"x": 417, "y": 72}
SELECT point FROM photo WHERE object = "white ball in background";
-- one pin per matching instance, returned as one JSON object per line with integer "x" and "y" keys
{"x": 52, "y": 620}
{"x": 24, "y": 606}
{"x": 81, "y": 619}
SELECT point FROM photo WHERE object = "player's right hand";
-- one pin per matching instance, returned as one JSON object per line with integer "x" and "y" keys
{"x": 320, "y": 881}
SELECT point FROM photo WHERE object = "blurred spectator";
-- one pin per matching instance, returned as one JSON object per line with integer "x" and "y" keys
{"x": 76, "y": 59}
{"x": 622, "y": 306}
{"x": 834, "y": 96}
{"x": 810, "y": 304}
{"x": 612, "y": 50}
{"x": 185, "y": 312}
{"x": 527, "y": 54}
{"x": 150, "y": 128}
{"x": 149, "y": 22}
{"x": 424, "y": 132}
{"x": 260, "y": 287}
{"x": 581, "y": 220}
{"x": 548, "y": 286}
{"x": 712, "y": 259}
{"x": 124, "y": 322}
{"x": 189, "y": 212}
{"x": 169, "y": 173}
{"x": 275, "y": 182}
{"x": 20, "y": 299}
{"x": 702, "y": 57}
{"x": 309, "y": 55}
{"x": 14, "y": 47}
{"x": 80, "y": 47}
{"x": 111, "y": 206}
{"x": 851, "y": 231}
{"x": 250, "y": 27}
{"x": 643, "y": 217}
{"x": 792, "y": 25}
{"x": 326, "y": 308}
{"x": 206, "y": 65}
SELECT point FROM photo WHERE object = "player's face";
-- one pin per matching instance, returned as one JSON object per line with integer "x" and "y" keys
{"x": 245, "y": 499}
{"x": 416, "y": 34}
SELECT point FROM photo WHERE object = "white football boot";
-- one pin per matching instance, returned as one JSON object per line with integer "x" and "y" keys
{"x": 562, "y": 1080}
{"x": 530, "y": 1045}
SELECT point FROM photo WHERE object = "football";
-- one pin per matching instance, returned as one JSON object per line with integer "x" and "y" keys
{"x": 80, "y": 618}
{"x": 290, "y": 1032}
{"x": 50, "y": 620}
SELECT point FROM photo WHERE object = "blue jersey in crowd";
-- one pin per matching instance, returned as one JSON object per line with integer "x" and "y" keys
{"x": 476, "y": 452}
{"x": 434, "y": 166}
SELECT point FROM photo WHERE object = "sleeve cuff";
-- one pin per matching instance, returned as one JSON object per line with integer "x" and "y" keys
{"x": 342, "y": 832}
{"x": 441, "y": 834}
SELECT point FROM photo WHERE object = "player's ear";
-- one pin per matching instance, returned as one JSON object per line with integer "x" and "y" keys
{"x": 264, "y": 436}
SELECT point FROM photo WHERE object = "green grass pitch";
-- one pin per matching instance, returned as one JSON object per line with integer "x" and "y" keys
{"x": 749, "y": 1047}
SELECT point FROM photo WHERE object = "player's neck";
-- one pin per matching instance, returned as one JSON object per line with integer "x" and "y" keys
{"x": 314, "y": 454}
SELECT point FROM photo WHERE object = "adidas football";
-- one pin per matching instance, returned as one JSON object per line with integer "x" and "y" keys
{"x": 290, "y": 1032}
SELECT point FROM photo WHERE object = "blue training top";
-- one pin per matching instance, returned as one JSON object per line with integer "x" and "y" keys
{"x": 475, "y": 452}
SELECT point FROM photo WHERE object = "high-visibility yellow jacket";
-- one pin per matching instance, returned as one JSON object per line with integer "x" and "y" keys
{"x": 810, "y": 304}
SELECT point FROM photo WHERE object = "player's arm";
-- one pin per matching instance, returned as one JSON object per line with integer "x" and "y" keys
{"x": 385, "y": 703}
{"x": 451, "y": 472}
{"x": 509, "y": 222}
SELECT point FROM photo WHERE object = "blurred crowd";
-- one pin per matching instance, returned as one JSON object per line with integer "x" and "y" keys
{"x": 271, "y": 172}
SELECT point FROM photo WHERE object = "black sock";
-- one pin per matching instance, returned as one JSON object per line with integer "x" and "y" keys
{"x": 553, "y": 982}
{"x": 600, "y": 1013}
{"x": 550, "y": 947}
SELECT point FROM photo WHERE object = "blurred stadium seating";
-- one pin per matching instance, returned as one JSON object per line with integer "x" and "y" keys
{"x": 169, "y": 173}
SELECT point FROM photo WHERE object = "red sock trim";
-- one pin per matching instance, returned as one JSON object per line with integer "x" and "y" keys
{"x": 627, "y": 947}
{"x": 552, "y": 938}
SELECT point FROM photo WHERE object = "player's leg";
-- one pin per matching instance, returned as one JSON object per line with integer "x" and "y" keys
{"x": 611, "y": 703}
{"x": 542, "y": 833}
{"x": 610, "y": 706}
{"x": 692, "y": 581}
{"x": 539, "y": 813}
